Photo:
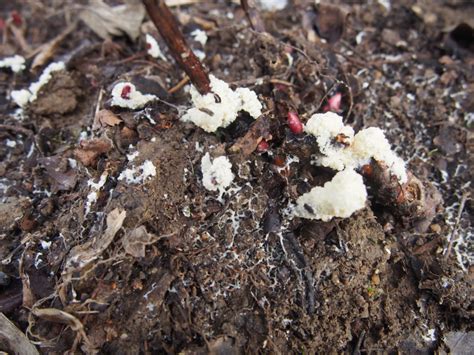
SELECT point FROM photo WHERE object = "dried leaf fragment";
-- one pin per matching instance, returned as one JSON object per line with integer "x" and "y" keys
{"x": 58, "y": 316}
{"x": 14, "y": 339}
{"x": 259, "y": 130}
{"x": 135, "y": 242}
{"x": 82, "y": 255}
{"x": 106, "y": 118}
{"x": 90, "y": 150}
{"x": 62, "y": 178}
{"x": 47, "y": 50}
{"x": 107, "y": 21}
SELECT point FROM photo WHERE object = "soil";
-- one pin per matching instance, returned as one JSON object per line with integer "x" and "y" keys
{"x": 165, "y": 266}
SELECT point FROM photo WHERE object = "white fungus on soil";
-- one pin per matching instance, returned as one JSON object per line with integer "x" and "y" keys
{"x": 210, "y": 115}
{"x": 126, "y": 95}
{"x": 199, "y": 36}
{"x": 340, "y": 197}
{"x": 153, "y": 49}
{"x": 94, "y": 193}
{"x": 342, "y": 149}
{"x": 137, "y": 175}
{"x": 272, "y": 5}
{"x": 200, "y": 54}
{"x": 15, "y": 63}
{"x": 216, "y": 175}
{"x": 24, "y": 96}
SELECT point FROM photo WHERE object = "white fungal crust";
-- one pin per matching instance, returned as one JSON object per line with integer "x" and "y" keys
{"x": 372, "y": 143}
{"x": 126, "y": 95}
{"x": 137, "y": 175}
{"x": 210, "y": 115}
{"x": 154, "y": 49}
{"x": 272, "y": 5}
{"x": 21, "y": 97}
{"x": 340, "y": 197}
{"x": 342, "y": 149}
{"x": 326, "y": 127}
{"x": 15, "y": 63}
{"x": 24, "y": 96}
{"x": 216, "y": 175}
{"x": 200, "y": 36}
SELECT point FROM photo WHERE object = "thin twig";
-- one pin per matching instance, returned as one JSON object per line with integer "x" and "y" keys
{"x": 456, "y": 225}
{"x": 179, "y": 85}
{"x": 17, "y": 129}
{"x": 253, "y": 15}
{"x": 168, "y": 27}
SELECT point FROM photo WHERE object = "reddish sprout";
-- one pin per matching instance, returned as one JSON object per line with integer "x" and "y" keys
{"x": 294, "y": 123}
{"x": 16, "y": 18}
{"x": 281, "y": 87}
{"x": 334, "y": 103}
{"x": 2, "y": 24}
{"x": 262, "y": 146}
{"x": 125, "y": 94}
{"x": 367, "y": 170}
{"x": 279, "y": 161}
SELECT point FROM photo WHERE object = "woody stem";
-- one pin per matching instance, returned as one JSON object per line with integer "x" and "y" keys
{"x": 168, "y": 27}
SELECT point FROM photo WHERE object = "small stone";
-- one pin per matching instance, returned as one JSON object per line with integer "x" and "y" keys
{"x": 435, "y": 228}
{"x": 375, "y": 279}
{"x": 137, "y": 284}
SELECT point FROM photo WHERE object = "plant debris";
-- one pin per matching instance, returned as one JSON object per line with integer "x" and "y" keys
{"x": 114, "y": 235}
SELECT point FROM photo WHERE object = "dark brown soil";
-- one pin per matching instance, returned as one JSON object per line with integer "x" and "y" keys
{"x": 191, "y": 271}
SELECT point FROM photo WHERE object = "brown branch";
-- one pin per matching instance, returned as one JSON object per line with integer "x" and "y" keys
{"x": 253, "y": 15}
{"x": 168, "y": 27}
{"x": 415, "y": 202}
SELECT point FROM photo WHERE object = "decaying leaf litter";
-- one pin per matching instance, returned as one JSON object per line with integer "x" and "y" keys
{"x": 156, "y": 263}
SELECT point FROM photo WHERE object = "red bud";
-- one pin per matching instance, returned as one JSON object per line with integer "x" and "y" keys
{"x": 367, "y": 170}
{"x": 16, "y": 17}
{"x": 334, "y": 103}
{"x": 262, "y": 146}
{"x": 125, "y": 94}
{"x": 294, "y": 123}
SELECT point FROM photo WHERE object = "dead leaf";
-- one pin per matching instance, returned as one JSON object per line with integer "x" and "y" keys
{"x": 81, "y": 255}
{"x": 15, "y": 340}
{"x": 107, "y": 21}
{"x": 62, "y": 178}
{"x": 106, "y": 118}
{"x": 460, "y": 342}
{"x": 58, "y": 316}
{"x": 47, "y": 50}
{"x": 28, "y": 297}
{"x": 90, "y": 150}
{"x": 136, "y": 240}
{"x": 259, "y": 130}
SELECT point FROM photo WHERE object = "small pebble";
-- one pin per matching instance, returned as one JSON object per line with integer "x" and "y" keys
{"x": 435, "y": 228}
